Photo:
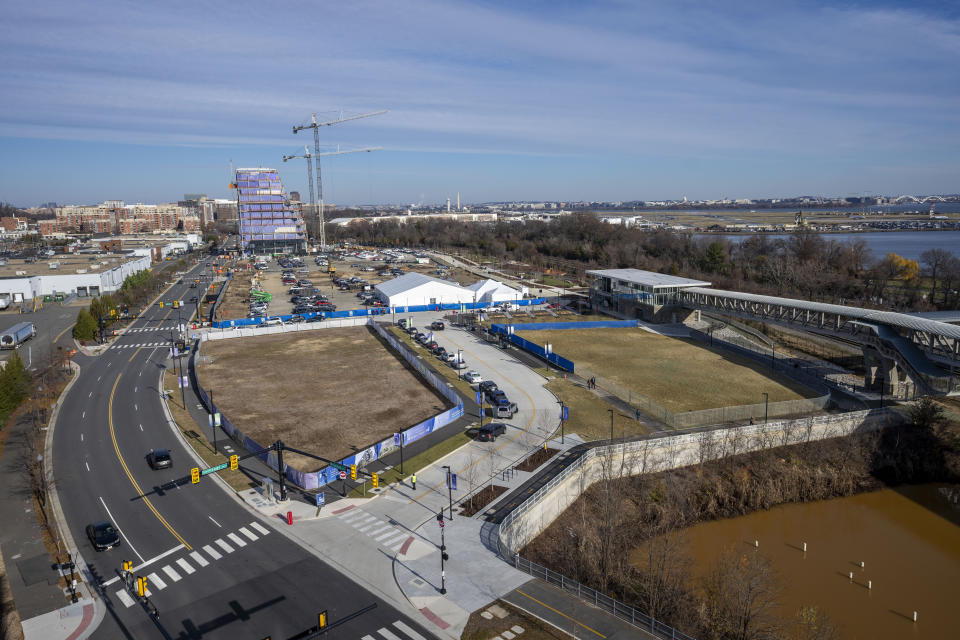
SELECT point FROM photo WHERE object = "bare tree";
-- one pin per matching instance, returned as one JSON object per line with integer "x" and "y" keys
{"x": 810, "y": 623}
{"x": 740, "y": 597}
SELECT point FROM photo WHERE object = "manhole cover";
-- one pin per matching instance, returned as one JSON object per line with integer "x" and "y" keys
{"x": 417, "y": 582}
{"x": 191, "y": 433}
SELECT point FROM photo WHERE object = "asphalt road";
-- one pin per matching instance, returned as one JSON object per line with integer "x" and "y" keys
{"x": 216, "y": 570}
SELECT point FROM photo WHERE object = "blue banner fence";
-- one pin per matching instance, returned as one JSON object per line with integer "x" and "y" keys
{"x": 317, "y": 479}
{"x": 509, "y": 330}
{"x": 376, "y": 311}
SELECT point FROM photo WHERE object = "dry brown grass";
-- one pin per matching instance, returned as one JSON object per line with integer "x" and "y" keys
{"x": 330, "y": 392}
{"x": 679, "y": 374}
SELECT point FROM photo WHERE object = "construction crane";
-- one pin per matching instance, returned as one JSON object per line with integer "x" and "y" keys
{"x": 316, "y": 152}
{"x": 309, "y": 157}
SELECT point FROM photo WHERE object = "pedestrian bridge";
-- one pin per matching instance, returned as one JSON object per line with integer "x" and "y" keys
{"x": 924, "y": 350}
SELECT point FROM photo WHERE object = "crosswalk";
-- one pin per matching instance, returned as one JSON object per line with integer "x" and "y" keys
{"x": 384, "y": 534}
{"x": 194, "y": 561}
{"x": 171, "y": 327}
{"x": 137, "y": 346}
{"x": 405, "y": 631}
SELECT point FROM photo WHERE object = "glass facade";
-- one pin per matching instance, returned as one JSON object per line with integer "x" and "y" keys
{"x": 267, "y": 223}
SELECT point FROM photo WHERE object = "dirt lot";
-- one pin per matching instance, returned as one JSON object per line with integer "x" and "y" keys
{"x": 679, "y": 374}
{"x": 320, "y": 391}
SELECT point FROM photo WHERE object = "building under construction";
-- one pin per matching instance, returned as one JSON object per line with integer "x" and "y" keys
{"x": 266, "y": 221}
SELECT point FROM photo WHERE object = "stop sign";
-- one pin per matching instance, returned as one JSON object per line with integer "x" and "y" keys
{"x": 343, "y": 475}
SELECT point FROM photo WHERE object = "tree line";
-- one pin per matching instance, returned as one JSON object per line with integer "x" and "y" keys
{"x": 806, "y": 264}
{"x": 136, "y": 290}
{"x": 14, "y": 386}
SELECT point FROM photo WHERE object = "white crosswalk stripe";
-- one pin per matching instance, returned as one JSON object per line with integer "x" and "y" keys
{"x": 237, "y": 540}
{"x": 173, "y": 574}
{"x": 213, "y": 553}
{"x": 389, "y": 635}
{"x": 199, "y": 559}
{"x": 186, "y": 566}
{"x": 369, "y": 526}
{"x": 379, "y": 530}
{"x": 125, "y": 598}
{"x": 368, "y": 637}
{"x": 155, "y": 580}
{"x": 400, "y": 624}
{"x": 350, "y": 515}
{"x": 259, "y": 527}
{"x": 388, "y": 534}
{"x": 223, "y": 545}
{"x": 389, "y": 542}
{"x": 248, "y": 533}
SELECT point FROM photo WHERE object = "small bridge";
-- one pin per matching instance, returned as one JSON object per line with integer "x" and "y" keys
{"x": 923, "y": 350}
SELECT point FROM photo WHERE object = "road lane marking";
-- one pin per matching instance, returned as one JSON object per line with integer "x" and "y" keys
{"x": 126, "y": 469}
{"x": 88, "y": 465}
{"x": 83, "y": 415}
{"x": 248, "y": 533}
{"x": 60, "y": 335}
{"x": 141, "y": 427}
{"x": 223, "y": 545}
{"x": 147, "y": 563}
{"x": 399, "y": 624}
{"x": 99, "y": 378}
{"x": 214, "y": 522}
{"x": 213, "y": 553}
{"x": 173, "y": 574}
{"x": 90, "y": 395}
{"x": 388, "y": 534}
{"x": 186, "y": 566}
{"x": 237, "y": 540}
{"x": 125, "y": 598}
{"x": 259, "y": 527}
{"x": 388, "y": 634}
{"x": 155, "y": 580}
{"x": 135, "y": 388}
{"x": 199, "y": 559}
{"x": 114, "y": 521}
{"x": 562, "y": 614}
{"x": 81, "y": 435}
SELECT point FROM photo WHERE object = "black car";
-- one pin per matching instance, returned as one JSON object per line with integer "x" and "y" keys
{"x": 103, "y": 535}
{"x": 437, "y": 325}
{"x": 160, "y": 459}
{"x": 487, "y": 385}
{"x": 490, "y": 431}
{"x": 316, "y": 318}
{"x": 296, "y": 318}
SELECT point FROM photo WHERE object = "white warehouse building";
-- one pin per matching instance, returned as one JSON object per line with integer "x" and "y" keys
{"x": 415, "y": 289}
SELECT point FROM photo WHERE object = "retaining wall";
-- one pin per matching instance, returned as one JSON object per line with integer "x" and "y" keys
{"x": 653, "y": 455}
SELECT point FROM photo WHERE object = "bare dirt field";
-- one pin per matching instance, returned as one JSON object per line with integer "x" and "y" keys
{"x": 679, "y": 374}
{"x": 330, "y": 392}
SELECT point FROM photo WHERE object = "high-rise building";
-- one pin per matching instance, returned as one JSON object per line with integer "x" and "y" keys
{"x": 266, "y": 221}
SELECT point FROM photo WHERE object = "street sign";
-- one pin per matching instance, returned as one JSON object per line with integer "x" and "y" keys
{"x": 441, "y": 524}
{"x": 321, "y": 499}
{"x": 219, "y": 467}
{"x": 343, "y": 475}
{"x": 565, "y": 413}
{"x": 478, "y": 397}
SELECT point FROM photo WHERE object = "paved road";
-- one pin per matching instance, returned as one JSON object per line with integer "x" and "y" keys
{"x": 216, "y": 569}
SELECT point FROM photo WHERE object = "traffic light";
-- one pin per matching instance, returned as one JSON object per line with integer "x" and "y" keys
{"x": 322, "y": 620}
{"x": 440, "y": 516}
{"x": 195, "y": 475}
{"x": 353, "y": 472}
{"x": 233, "y": 462}
{"x": 141, "y": 587}
{"x": 127, "y": 565}
{"x": 376, "y": 480}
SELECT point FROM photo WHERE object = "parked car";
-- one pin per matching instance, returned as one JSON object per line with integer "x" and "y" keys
{"x": 506, "y": 410}
{"x": 316, "y": 318}
{"x": 487, "y": 385}
{"x": 297, "y": 318}
{"x": 450, "y": 356}
{"x": 159, "y": 459}
{"x": 103, "y": 535}
{"x": 490, "y": 431}
{"x": 275, "y": 320}
{"x": 440, "y": 352}
{"x": 473, "y": 377}
{"x": 437, "y": 325}
{"x": 458, "y": 365}
{"x": 496, "y": 396}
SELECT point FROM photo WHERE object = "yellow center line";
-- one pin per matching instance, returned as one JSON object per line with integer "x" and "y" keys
{"x": 60, "y": 335}
{"x": 576, "y": 622}
{"x": 126, "y": 469}
{"x": 434, "y": 488}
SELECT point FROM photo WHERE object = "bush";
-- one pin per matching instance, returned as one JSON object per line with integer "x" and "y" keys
{"x": 86, "y": 326}
{"x": 14, "y": 386}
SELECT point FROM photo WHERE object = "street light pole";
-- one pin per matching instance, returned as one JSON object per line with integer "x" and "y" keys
{"x": 561, "y": 421}
{"x": 766, "y": 405}
{"x": 611, "y": 424}
{"x": 449, "y": 488}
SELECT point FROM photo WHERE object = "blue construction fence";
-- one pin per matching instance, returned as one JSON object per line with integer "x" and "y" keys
{"x": 223, "y": 290}
{"x": 318, "y": 479}
{"x": 567, "y": 365}
{"x": 376, "y": 311}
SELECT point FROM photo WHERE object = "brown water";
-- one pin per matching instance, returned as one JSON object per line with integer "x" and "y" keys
{"x": 908, "y": 540}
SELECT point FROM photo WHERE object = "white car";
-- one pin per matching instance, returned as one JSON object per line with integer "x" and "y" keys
{"x": 473, "y": 377}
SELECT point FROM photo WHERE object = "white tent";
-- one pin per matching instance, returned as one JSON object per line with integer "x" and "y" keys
{"x": 494, "y": 291}
{"x": 414, "y": 289}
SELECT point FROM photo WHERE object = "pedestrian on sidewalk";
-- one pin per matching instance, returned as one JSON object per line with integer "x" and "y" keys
{"x": 413, "y": 481}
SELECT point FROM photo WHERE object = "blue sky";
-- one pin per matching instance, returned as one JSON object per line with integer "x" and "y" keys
{"x": 145, "y": 101}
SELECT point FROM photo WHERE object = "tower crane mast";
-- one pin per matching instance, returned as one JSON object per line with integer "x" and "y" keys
{"x": 316, "y": 152}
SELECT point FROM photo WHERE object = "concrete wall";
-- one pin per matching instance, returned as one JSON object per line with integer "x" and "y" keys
{"x": 672, "y": 452}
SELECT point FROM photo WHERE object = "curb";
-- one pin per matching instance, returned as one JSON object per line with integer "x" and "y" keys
{"x": 99, "y": 610}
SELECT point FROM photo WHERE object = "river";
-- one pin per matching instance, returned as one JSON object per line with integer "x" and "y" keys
{"x": 907, "y": 538}
{"x": 908, "y": 244}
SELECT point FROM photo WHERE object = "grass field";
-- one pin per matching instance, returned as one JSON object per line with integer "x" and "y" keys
{"x": 679, "y": 374}
{"x": 329, "y": 392}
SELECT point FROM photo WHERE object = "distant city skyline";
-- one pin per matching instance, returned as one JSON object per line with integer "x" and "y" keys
{"x": 499, "y": 101}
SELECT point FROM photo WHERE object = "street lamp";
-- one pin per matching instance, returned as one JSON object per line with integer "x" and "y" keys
{"x": 459, "y": 362}
{"x": 611, "y": 424}
{"x": 766, "y": 405}
{"x": 449, "y": 488}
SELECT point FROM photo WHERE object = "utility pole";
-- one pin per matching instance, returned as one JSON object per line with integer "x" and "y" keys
{"x": 316, "y": 152}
